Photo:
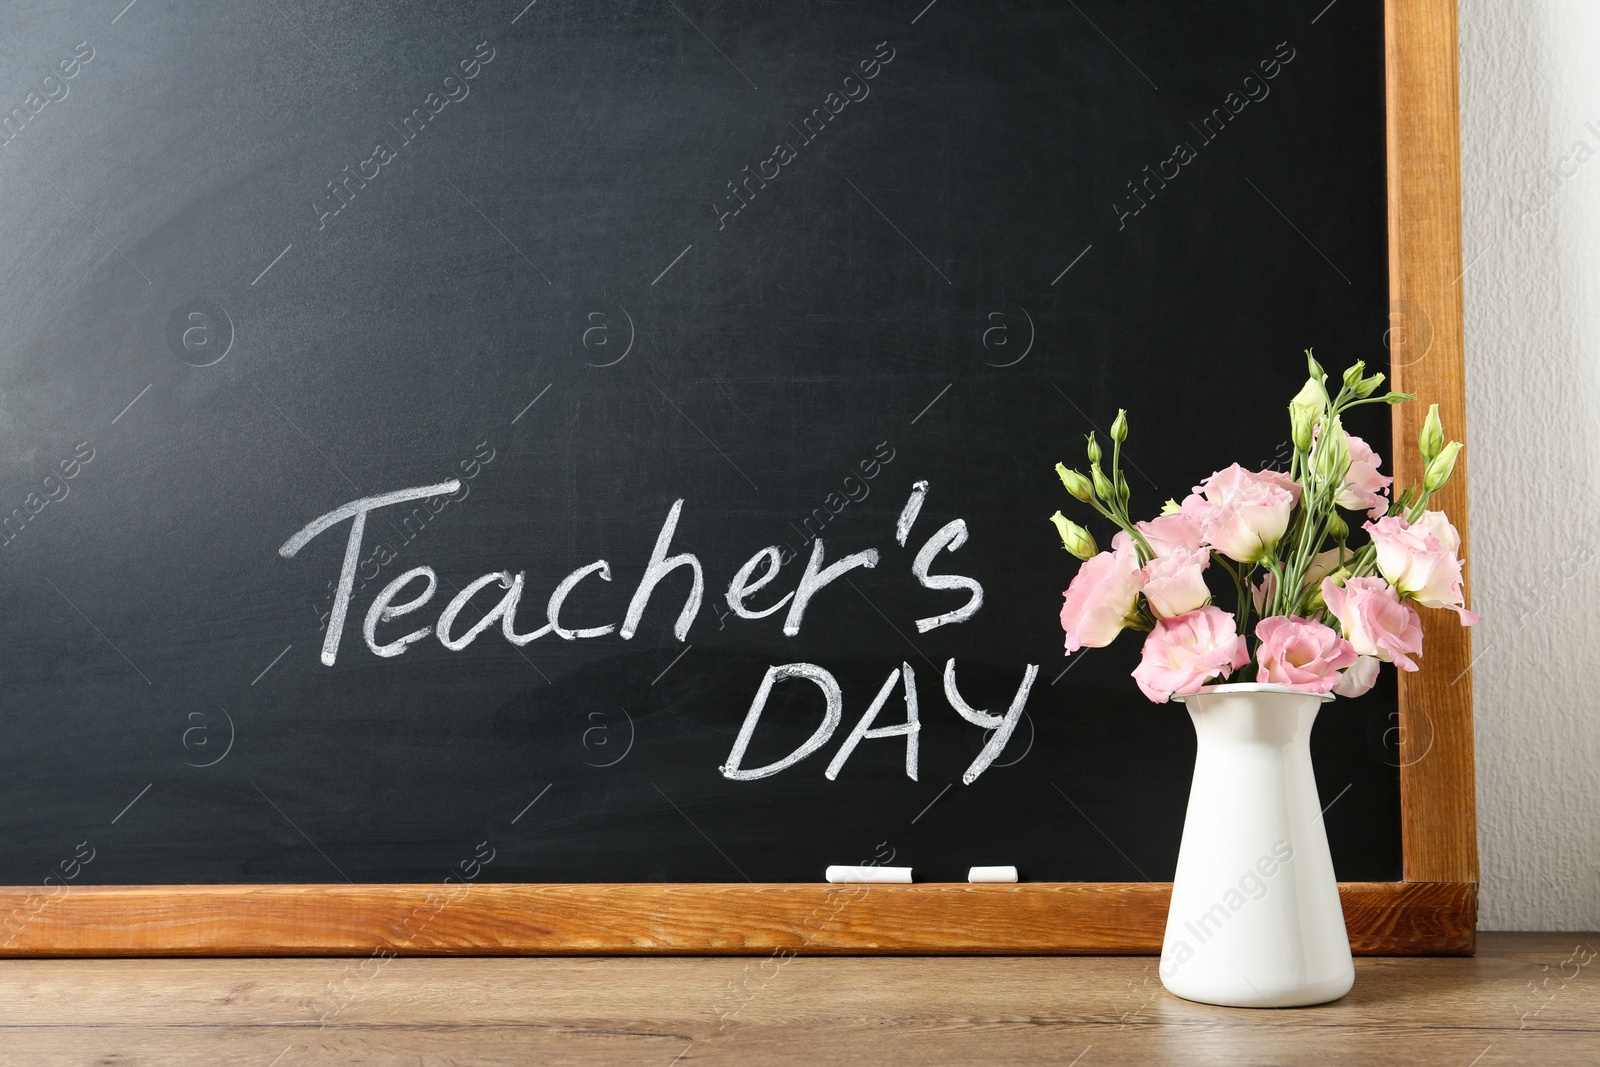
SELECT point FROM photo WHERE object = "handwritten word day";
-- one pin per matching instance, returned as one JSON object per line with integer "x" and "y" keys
{"x": 419, "y": 584}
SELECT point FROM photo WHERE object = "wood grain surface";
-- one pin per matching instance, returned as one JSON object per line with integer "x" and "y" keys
{"x": 1509, "y": 1005}
{"x": 1437, "y": 791}
{"x": 656, "y": 919}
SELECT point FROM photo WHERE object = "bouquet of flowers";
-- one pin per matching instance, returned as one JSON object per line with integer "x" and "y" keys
{"x": 1329, "y": 611}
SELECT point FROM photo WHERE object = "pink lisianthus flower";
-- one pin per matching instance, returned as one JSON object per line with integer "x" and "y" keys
{"x": 1175, "y": 584}
{"x": 1358, "y": 677}
{"x": 1419, "y": 560}
{"x": 1375, "y": 620}
{"x": 1300, "y": 653}
{"x": 1438, "y": 524}
{"x": 1243, "y": 513}
{"x": 1167, "y": 535}
{"x": 1182, "y": 654}
{"x": 1365, "y": 488}
{"x": 1097, "y": 604}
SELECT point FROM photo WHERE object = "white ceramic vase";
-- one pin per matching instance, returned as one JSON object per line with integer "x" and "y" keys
{"x": 1255, "y": 920}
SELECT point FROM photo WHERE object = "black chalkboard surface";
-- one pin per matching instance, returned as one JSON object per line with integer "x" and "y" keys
{"x": 615, "y": 279}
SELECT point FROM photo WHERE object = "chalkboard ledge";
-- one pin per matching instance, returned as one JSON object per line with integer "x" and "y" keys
{"x": 1040, "y": 918}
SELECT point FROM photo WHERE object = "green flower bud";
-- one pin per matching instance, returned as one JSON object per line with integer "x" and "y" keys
{"x": 1074, "y": 538}
{"x": 1431, "y": 441}
{"x": 1119, "y": 426}
{"x": 1315, "y": 368}
{"x": 1397, "y": 398}
{"x": 1076, "y": 483}
{"x": 1352, "y": 374}
{"x": 1441, "y": 467}
{"x": 1094, "y": 450}
{"x": 1305, "y": 411}
{"x": 1102, "y": 485}
{"x": 1338, "y": 529}
{"x": 1123, "y": 493}
{"x": 1367, "y": 386}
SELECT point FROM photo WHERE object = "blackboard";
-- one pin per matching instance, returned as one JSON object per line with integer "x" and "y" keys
{"x": 584, "y": 282}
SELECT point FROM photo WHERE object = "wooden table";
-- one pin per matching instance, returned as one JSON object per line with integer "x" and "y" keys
{"x": 1511, "y": 1004}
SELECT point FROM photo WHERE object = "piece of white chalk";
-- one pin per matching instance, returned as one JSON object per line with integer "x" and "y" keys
{"x": 992, "y": 874}
{"x": 842, "y": 873}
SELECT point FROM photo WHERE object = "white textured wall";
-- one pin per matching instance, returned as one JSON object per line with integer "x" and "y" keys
{"x": 1530, "y": 87}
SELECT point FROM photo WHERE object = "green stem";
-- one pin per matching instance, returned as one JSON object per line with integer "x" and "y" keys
{"x": 1241, "y": 586}
{"x": 1119, "y": 518}
{"x": 1277, "y": 570}
{"x": 1420, "y": 506}
{"x": 1318, "y": 518}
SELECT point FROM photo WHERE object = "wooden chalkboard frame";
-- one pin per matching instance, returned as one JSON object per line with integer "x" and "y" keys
{"x": 1431, "y": 911}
